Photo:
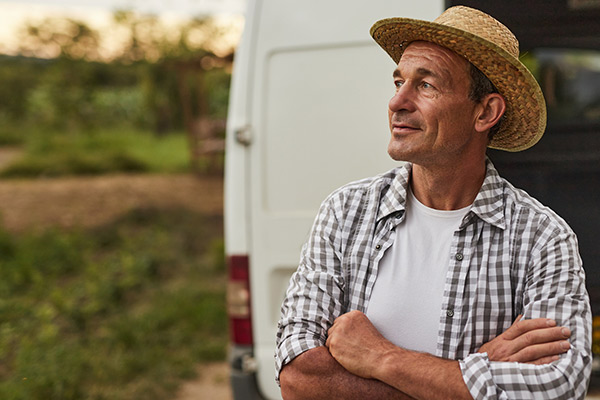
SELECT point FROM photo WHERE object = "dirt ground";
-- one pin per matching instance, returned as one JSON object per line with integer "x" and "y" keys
{"x": 212, "y": 383}
{"x": 92, "y": 201}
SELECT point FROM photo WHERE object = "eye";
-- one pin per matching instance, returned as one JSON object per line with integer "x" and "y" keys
{"x": 427, "y": 85}
{"x": 398, "y": 84}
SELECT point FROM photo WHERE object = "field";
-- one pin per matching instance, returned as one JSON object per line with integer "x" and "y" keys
{"x": 113, "y": 286}
{"x": 111, "y": 236}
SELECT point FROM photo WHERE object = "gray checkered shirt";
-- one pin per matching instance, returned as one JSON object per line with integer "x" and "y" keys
{"x": 510, "y": 256}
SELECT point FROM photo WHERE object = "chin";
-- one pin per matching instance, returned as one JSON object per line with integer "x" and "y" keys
{"x": 397, "y": 155}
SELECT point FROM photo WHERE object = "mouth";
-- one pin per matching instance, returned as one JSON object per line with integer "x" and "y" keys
{"x": 403, "y": 128}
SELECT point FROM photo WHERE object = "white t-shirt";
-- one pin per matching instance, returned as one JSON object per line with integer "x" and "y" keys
{"x": 406, "y": 301}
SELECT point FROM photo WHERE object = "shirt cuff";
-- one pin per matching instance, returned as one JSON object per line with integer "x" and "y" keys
{"x": 292, "y": 346}
{"x": 477, "y": 376}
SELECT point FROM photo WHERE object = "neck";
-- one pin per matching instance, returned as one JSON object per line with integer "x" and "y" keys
{"x": 448, "y": 187}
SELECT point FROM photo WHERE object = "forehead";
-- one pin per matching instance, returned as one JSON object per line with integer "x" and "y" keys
{"x": 436, "y": 59}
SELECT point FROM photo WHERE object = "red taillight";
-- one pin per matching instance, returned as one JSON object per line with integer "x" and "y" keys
{"x": 238, "y": 300}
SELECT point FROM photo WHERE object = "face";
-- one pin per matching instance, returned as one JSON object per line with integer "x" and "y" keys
{"x": 431, "y": 116}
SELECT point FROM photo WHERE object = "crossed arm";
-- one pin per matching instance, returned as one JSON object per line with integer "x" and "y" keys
{"x": 358, "y": 362}
{"x": 328, "y": 354}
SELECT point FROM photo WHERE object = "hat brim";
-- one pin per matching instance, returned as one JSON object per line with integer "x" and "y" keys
{"x": 525, "y": 116}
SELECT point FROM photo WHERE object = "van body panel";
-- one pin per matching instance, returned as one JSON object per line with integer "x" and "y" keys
{"x": 310, "y": 89}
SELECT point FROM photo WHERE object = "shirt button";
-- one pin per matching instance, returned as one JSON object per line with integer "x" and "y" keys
{"x": 459, "y": 257}
{"x": 450, "y": 313}
{"x": 378, "y": 247}
{"x": 398, "y": 215}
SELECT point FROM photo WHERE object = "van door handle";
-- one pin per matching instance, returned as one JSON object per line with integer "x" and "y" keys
{"x": 243, "y": 135}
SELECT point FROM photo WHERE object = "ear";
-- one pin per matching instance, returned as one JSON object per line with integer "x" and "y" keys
{"x": 492, "y": 108}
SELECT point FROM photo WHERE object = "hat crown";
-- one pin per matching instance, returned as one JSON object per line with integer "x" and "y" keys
{"x": 480, "y": 24}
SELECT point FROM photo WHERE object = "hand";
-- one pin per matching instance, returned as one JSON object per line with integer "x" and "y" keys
{"x": 532, "y": 341}
{"x": 356, "y": 344}
{"x": 360, "y": 349}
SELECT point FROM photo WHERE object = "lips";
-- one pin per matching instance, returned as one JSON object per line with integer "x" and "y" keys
{"x": 402, "y": 122}
{"x": 403, "y": 127}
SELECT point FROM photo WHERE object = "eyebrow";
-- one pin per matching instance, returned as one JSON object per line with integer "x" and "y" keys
{"x": 420, "y": 71}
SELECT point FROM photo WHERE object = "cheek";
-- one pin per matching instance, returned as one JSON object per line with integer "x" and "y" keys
{"x": 462, "y": 119}
{"x": 454, "y": 116}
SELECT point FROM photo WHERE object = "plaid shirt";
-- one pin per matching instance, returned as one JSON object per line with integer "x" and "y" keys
{"x": 510, "y": 256}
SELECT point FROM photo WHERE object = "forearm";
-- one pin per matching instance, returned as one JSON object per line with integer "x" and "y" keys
{"x": 422, "y": 375}
{"x": 316, "y": 375}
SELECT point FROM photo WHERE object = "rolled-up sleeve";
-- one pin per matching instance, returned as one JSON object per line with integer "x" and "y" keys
{"x": 315, "y": 294}
{"x": 555, "y": 288}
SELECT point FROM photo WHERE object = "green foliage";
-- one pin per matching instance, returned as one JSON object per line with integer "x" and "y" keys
{"x": 217, "y": 85}
{"x": 76, "y": 95}
{"x": 18, "y": 76}
{"x": 100, "y": 152}
{"x": 152, "y": 83}
{"x": 120, "y": 312}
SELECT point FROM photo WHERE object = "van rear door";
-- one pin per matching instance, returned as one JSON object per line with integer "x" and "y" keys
{"x": 317, "y": 94}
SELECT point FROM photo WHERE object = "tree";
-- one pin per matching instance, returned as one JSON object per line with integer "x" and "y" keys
{"x": 178, "y": 70}
{"x": 59, "y": 37}
{"x": 188, "y": 55}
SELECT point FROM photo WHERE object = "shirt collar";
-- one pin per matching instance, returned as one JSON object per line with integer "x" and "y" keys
{"x": 393, "y": 200}
{"x": 488, "y": 205}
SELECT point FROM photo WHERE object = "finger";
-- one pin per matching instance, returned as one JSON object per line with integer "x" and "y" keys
{"x": 512, "y": 331}
{"x": 330, "y": 334}
{"x": 540, "y": 351}
{"x": 331, "y": 329}
{"x": 519, "y": 317}
{"x": 520, "y": 327}
{"x": 329, "y": 339}
{"x": 540, "y": 336}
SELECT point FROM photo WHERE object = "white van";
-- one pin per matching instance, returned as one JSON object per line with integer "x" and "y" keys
{"x": 308, "y": 113}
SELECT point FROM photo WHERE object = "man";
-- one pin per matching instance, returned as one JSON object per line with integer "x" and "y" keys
{"x": 439, "y": 279}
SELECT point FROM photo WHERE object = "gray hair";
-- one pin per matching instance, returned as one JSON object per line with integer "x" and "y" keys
{"x": 480, "y": 87}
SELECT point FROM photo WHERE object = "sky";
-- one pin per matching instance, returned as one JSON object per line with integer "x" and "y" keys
{"x": 98, "y": 13}
{"x": 184, "y": 7}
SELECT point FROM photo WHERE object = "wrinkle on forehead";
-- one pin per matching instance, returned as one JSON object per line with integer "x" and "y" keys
{"x": 432, "y": 59}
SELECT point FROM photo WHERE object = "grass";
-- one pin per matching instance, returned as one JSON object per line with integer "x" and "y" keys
{"x": 52, "y": 154}
{"x": 120, "y": 312}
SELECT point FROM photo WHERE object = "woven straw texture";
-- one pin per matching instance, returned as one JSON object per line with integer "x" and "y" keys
{"x": 492, "y": 48}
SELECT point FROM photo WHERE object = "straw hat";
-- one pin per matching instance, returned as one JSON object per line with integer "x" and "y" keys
{"x": 492, "y": 48}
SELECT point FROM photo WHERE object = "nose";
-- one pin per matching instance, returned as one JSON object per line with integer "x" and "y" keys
{"x": 402, "y": 99}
